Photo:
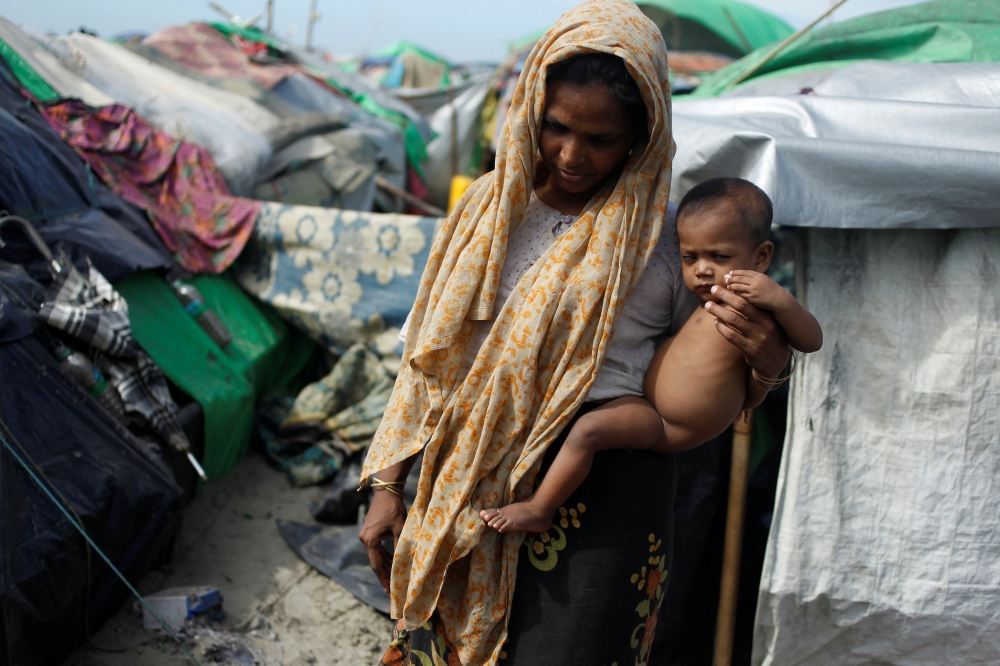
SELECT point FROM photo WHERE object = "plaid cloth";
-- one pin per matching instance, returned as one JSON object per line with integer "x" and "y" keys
{"x": 90, "y": 310}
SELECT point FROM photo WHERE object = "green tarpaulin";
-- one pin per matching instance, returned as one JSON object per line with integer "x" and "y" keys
{"x": 264, "y": 354}
{"x": 721, "y": 26}
{"x": 28, "y": 77}
{"x": 938, "y": 31}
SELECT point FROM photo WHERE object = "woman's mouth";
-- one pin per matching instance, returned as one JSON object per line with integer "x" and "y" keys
{"x": 571, "y": 177}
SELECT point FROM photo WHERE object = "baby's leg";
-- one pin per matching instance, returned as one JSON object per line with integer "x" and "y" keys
{"x": 625, "y": 423}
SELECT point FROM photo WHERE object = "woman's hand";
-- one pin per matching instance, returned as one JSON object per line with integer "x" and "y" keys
{"x": 754, "y": 332}
{"x": 385, "y": 519}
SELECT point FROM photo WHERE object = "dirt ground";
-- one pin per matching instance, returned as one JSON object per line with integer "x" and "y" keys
{"x": 279, "y": 611}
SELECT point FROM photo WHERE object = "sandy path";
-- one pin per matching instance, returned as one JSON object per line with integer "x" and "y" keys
{"x": 229, "y": 539}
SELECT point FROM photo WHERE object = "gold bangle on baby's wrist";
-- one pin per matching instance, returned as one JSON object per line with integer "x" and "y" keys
{"x": 394, "y": 487}
{"x": 771, "y": 383}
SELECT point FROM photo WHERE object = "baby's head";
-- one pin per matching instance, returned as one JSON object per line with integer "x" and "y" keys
{"x": 723, "y": 224}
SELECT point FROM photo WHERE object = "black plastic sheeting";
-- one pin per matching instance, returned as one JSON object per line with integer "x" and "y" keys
{"x": 54, "y": 591}
{"x": 44, "y": 181}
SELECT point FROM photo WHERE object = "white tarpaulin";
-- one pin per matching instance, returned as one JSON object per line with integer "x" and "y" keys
{"x": 885, "y": 542}
{"x": 883, "y": 145}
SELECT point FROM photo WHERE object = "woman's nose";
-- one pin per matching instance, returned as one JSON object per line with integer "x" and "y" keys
{"x": 572, "y": 153}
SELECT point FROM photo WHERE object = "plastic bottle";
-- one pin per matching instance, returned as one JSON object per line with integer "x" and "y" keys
{"x": 192, "y": 301}
{"x": 90, "y": 378}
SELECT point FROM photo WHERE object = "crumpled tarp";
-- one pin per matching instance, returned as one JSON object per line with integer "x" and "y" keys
{"x": 879, "y": 145}
{"x": 44, "y": 181}
{"x": 936, "y": 31}
{"x": 127, "y": 501}
{"x": 885, "y": 542}
{"x": 458, "y": 119}
{"x": 175, "y": 182}
{"x": 341, "y": 276}
{"x": 202, "y": 48}
{"x": 311, "y": 436}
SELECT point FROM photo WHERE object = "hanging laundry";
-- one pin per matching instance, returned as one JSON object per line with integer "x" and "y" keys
{"x": 176, "y": 182}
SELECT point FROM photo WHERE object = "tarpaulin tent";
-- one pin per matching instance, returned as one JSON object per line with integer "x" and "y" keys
{"x": 887, "y": 524}
{"x": 728, "y": 27}
{"x": 46, "y": 181}
{"x": 404, "y": 64}
{"x": 936, "y": 31}
{"x": 719, "y": 26}
{"x": 54, "y": 589}
{"x": 367, "y": 95}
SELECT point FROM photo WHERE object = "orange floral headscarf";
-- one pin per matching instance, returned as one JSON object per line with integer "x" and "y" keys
{"x": 483, "y": 439}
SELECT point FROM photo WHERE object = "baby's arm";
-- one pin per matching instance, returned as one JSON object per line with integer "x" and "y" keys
{"x": 800, "y": 326}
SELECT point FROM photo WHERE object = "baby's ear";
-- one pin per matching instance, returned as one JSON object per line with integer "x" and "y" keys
{"x": 762, "y": 258}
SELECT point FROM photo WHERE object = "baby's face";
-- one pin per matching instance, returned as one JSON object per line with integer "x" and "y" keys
{"x": 713, "y": 243}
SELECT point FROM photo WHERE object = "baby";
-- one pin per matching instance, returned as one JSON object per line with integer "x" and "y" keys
{"x": 698, "y": 383}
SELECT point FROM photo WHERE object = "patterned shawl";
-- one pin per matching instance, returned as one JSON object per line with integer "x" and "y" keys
{"x": 484, "y": 439}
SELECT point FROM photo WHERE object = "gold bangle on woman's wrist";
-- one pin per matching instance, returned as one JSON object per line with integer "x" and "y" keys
{"x": 394, "y": 487}
{"x": 771, "y": 383}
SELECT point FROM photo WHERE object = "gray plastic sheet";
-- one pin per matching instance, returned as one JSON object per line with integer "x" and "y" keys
{"x": 885, "y": 542}
{"x": 876, "y": 145}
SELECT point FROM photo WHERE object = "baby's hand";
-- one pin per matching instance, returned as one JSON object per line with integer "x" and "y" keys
{"x": 757, "y": 288}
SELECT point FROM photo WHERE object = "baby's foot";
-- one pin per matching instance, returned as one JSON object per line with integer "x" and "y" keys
{"x": 518, "y": 517}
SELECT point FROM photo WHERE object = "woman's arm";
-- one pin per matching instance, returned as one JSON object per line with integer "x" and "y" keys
{"x": 386, "y": 517}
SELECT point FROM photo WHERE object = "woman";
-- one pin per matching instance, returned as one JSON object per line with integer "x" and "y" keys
{"x": 511, "y": 333}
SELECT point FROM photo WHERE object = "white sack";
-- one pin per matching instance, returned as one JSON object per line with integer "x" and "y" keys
{"x": 231, "y": 127}
{"x": 65, "y": 82}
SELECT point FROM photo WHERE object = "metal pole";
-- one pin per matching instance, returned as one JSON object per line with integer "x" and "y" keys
{"x": 313, "y": 17}
{"x": 782, "y": 46}
{"x": 270, "y": 15}
{"x": 725, "y": 624}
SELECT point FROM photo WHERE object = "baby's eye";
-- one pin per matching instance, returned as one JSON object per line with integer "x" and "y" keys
{"x": 722, "y": 257}
{"x": 688, "y": 257}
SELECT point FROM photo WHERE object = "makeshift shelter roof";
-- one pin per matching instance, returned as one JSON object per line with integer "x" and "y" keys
{"x": 937, "y": 31}
{"x": 920, "y": 152}
{"x": 410, "y": 66}
{"x": 721, "y": 26}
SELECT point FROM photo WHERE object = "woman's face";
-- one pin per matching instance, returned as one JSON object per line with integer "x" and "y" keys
{"x": 585, "y": 137}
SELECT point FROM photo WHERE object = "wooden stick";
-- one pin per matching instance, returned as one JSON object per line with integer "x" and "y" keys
{"x": 782, "y": 46}
{"x": 409, "y": 198}
{"x": 725, "y": 624}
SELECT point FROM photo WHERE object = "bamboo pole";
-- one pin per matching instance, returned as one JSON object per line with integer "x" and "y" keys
{"x": 729, "y": 588}
{"x": 782, "y": 46}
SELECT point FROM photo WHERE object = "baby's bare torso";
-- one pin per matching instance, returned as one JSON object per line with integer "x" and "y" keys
{"x": 697, "y": 379}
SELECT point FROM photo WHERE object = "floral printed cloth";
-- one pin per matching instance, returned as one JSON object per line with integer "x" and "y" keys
{"x": 176, "y": 183}
{"x": 484, "y": 439}
{"x": 342, "y": 276}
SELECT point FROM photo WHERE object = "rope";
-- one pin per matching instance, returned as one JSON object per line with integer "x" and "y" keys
{"x": 93, "y": 545}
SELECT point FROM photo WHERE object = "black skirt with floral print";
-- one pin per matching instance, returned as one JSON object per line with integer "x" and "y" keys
{"x": 588, "y": 590}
